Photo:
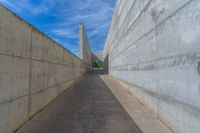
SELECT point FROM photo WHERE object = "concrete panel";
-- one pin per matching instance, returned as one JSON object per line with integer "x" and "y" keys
{"x": 14, "y": 77}
{"x": 18, "y": 111}
{"x": 85, "y": 51}
{"x": 55, "y": 53}
{"x": 4, "y": 115}
{"x": 13, "y": 114}
{"x": 66, "y": 84}
{"x": 97, "y": 56}
{"x": 153, "y": 49}
{"x": 67, "y": 59}
{"x": 50, "y": 94}
{"x": 39, "y": 46}
{"x": 40, "y": 76}
{"x": 67, "y": 73}
{"x": 10, "y": 26}
{"x": 37, "y": 100}
{"x": 34, "y": 70}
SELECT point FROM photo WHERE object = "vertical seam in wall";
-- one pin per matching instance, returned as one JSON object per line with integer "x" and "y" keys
{"x": 30, "y": 74}
{"x": 63, "y": 73}
{"x": 81, "y": 41}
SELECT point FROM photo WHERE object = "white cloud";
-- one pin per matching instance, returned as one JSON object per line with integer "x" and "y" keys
{"x": 64, "y": 33}
{"x": 95, "y": 14}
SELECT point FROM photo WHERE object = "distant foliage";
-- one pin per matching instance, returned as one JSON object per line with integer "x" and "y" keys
{"x": 97, "y": 64}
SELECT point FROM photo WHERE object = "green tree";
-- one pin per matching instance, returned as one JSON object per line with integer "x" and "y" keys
{"x": 97, "y": 64}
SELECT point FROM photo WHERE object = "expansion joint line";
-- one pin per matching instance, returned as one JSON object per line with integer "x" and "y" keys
{"x": 30, "y": 77}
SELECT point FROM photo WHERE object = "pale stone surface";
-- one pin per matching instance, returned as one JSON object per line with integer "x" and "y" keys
{"x": 85, "y": 50}
{"x": 97, "y": 56}
{"x": 34, "y": 70}
{"x": 153, "y": 48}
{"x": 9, "y": 38}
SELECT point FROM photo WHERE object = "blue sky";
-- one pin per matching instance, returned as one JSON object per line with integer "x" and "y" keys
{"x": 60, "y": 19}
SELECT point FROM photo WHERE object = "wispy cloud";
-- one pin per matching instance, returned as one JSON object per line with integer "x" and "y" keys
{"x": 60, "y": 19}
{"x": 33, "y": 7}
{"x": 64, "y": 33}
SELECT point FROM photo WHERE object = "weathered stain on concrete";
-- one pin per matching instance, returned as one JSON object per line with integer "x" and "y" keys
{"x": 88, "y": 107}
{"x": 153, "y": 49}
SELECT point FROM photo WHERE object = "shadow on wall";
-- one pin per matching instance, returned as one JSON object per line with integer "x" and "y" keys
{"x": 106, "y": 64}
{"x": 95, "y": 58}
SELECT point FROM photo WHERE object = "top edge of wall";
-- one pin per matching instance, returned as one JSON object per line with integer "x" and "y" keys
{"x": 35, "y": 28}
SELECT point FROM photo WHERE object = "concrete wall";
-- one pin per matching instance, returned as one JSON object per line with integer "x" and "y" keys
{"x": 33, "y": 70}
{"x": 153, "y": 48}
{"x": 97, "y": 56}
{"x": 85, "y": 51}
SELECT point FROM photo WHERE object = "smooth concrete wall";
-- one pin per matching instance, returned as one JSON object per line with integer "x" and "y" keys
{"x": 33, "y": 70}
{"x": 85, "y": 50}
{"x": 153, "y": 48}
{"x": 97, "y": 56}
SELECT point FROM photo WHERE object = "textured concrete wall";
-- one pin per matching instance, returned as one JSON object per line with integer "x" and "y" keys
{"x": 97, "y": 56}
{"x": 85, "y": 51}
{"x": 153, "y": 48}
{"x": 33, "y": 70}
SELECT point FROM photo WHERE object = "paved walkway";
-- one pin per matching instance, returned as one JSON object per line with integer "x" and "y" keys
{"x": 90, "y": 107}
{"x": 143, "y": 117}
